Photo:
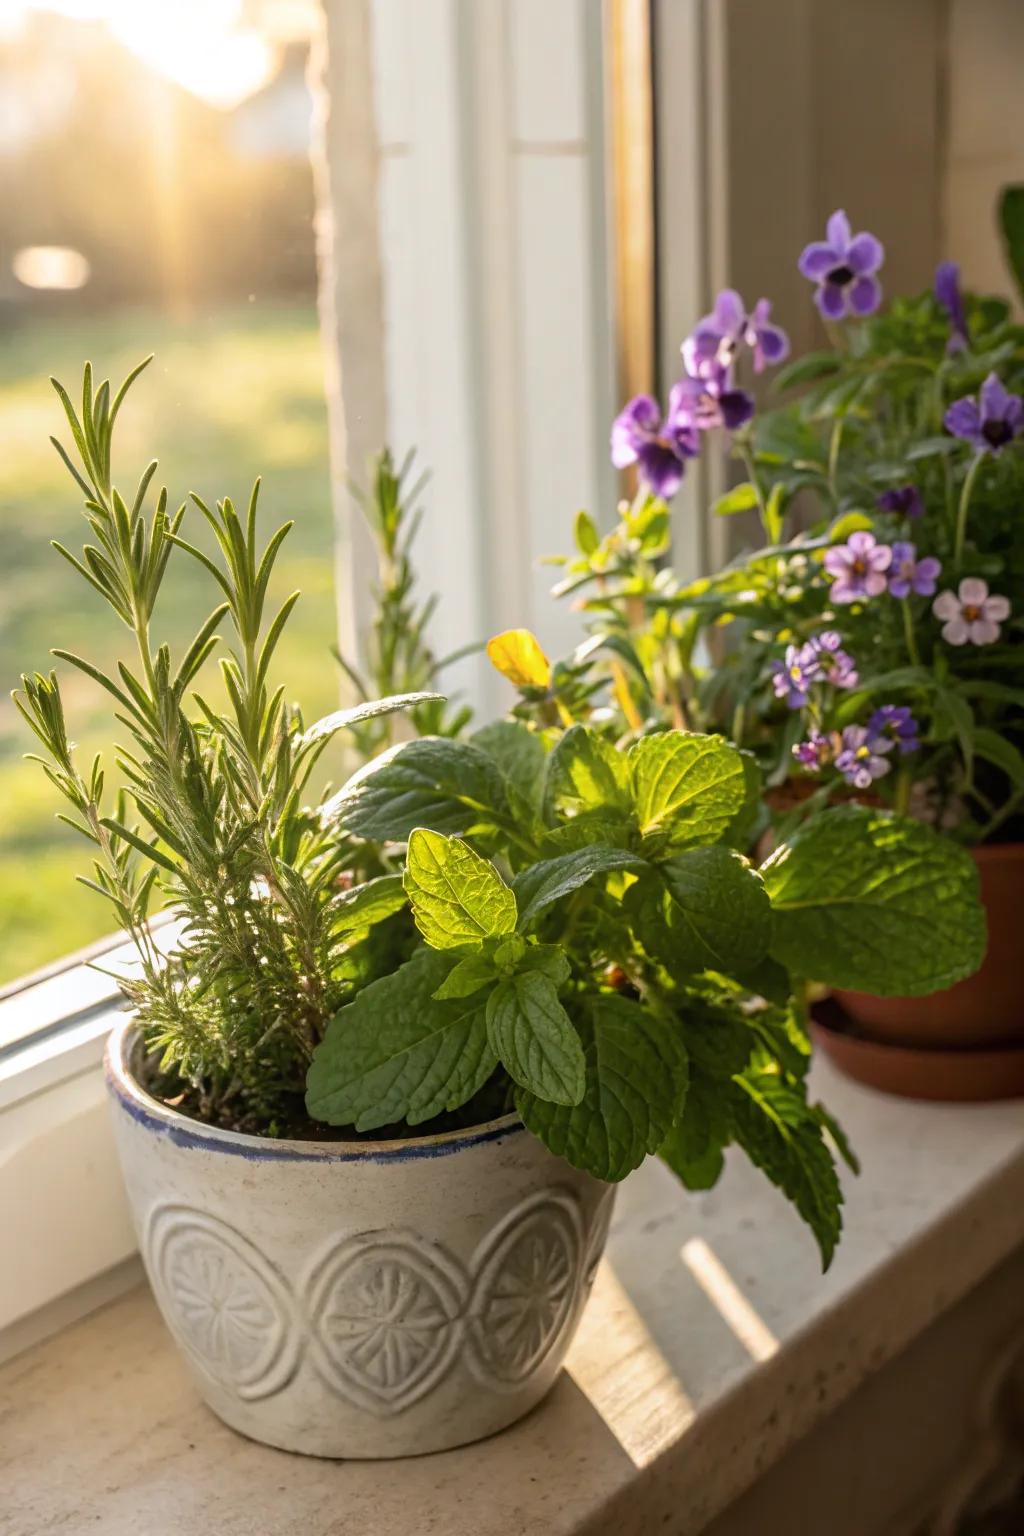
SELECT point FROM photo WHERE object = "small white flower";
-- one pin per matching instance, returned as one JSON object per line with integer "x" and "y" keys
{"x": 970, "y": 614}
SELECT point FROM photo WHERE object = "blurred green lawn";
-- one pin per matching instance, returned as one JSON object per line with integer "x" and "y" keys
{"x": 233, "y": 394}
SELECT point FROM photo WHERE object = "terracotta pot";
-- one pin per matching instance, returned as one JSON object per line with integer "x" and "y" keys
{"x": 987, "y": 1009}
{"x": 947, "y": 1076}
{"x": 359, "y": 1299}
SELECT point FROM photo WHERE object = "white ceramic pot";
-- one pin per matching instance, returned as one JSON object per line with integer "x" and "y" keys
{"x": 359, "y": 1299}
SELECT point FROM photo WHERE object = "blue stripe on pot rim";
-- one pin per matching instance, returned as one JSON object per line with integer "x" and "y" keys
{"x": 190, "y": 1134}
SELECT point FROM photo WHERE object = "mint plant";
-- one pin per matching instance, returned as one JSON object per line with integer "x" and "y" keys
{"x": 591, "y": 936}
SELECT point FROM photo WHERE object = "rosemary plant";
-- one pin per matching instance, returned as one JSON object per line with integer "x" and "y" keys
{"x": 211, "y": 818}
{"x": 399, "y": 658}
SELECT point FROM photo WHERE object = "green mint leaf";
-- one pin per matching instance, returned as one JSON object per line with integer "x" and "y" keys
{"x": 703, "y": 910}
{"x": 367, "y": 904}
{"x": 782, "y": 1038}
{"x": 508, "y": 952}
{"x": 457, "y": 897}
{"x": 752, "y": 816}
{"x": 541, "y": 884}
{"x": 694, "y": 1148}
{"x": 468, "y": 976}
{"x": 548, "y": 959}
{"x": 535, "y": 1040}
{"x": 520, "y": 754}
{"x": 448, "y": 786}
{"x": 395, "y": 1054}
{"x": 782, "y": 1136}
{"x": 686, "y": 788}
{"x": 835, "y": 1133}
{"x": 635, "y": 1087}
{"x": 587, "y": 830}
{"x": 865, "y": 899}
{"x": 342, "y": 719}
{"x": 767, "y": 979}
{"x": 587, "y": 773}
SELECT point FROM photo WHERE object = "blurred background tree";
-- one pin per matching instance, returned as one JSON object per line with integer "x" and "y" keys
{"x": 156, "y": 195}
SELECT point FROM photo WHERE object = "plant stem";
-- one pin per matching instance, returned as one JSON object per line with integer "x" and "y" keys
{"x": 901, "y": 799}
{"x": 908, "y": 630}
{"x": 747, "y": 455}
{"x": 834, "y": 444}
{"x": 1001, "y": 815}
{"x": 961, "y": 516}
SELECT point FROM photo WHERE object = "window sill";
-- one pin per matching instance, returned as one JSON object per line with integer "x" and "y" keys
{"x": 711, "y": 1346}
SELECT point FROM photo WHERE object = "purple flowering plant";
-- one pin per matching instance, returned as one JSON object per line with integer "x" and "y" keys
{"x": 867, "y": 635}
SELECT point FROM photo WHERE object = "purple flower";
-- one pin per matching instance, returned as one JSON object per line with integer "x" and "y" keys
{"x": 660, "y": 448}
{"x": 715, "y": 340}
{"x": 844, "y": 267}
{"x": 947, "y": 291}
{"x": 768, "y": 342}
{"x": 710, "y": 401}
{"x": 991, "y": 421}
{"x": 815, "y": 752}
{"x": 858, "y": 567}
{"x": 909, "y": 574}
{"x": 905, "y": 499}
{"x": 860, "y": 758}
{"x": 836, "y": 665}
{"x": 895, "y": 723}
{"x": 793, "y": 677}
{"x": 970, "y": 614}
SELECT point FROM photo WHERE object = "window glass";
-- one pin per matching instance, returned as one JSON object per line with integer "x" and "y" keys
{"x": 155, "y": 196}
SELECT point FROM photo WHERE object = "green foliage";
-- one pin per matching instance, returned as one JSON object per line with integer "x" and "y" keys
{"x": 864, "y": 899}
{"x": 212, "y": 821}
{"x": 781, "y": 1135}
{"x": 398, "y": 657}
{"x": 586, "y": 773}
{"x": 407, "y": 1055}
{"x": 635, "y": 1089}
{"x": 533, "y": 1037}
{"x": 551, "y": 879}
{"x": 686, "y": 789}
{"x": 458, "y": 899}
{"x": 520, "y": 754}
{"x": 623, "y": 986}
{"x": 448, "y": 786}
{"x": 703, "y": 910}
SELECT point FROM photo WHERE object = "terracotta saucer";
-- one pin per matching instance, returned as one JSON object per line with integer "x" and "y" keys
{"x": 951, "y": 1076}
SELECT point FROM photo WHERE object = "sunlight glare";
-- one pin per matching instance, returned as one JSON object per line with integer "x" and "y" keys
{"x": 50, "y": 266}
{"x": 721, "y": 1290}
{"x": 617, "y": 1364}
{"x": 202, "y": 45}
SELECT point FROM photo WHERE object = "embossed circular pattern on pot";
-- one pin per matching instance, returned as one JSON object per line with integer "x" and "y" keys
{"x": 527, "y": 1274}
{"x": 227, "y": 1305}
{"x": 386, "y": 1318}
{"x": 385, "y": 1315}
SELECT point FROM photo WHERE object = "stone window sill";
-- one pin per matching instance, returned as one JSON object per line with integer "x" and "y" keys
{"x": 712, "y": 1346}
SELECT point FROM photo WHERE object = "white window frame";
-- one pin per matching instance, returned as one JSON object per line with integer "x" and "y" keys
{"x": 63, "y": 1212}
